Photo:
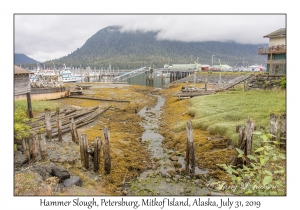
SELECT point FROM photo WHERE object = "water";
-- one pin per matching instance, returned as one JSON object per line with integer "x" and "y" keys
{"x": 142, "y": 79}
{"x": 157, "y": 181}
{"x": 146, "y": 80}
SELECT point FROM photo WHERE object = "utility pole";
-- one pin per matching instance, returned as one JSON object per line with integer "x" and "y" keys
{"x": 212, "y": 60}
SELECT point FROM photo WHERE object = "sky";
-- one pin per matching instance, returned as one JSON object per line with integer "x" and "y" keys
{"x": 45, "y": 37}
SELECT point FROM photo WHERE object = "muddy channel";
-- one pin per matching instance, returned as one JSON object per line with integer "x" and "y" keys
{"x": 166, "y": 176}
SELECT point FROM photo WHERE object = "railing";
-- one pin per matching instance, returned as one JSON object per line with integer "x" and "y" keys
{"x": 236, "y": 81}
{"x": 273, "y": 49}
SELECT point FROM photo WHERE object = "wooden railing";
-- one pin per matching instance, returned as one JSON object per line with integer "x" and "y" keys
{"x": 273, "y": 49}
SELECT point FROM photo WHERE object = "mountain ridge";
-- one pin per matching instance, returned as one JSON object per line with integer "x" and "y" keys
{"x": 129, "y": 50}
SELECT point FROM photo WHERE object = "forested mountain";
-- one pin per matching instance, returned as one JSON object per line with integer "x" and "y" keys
{"x": 23, "y": 59}
{"x": 130, "y": 50}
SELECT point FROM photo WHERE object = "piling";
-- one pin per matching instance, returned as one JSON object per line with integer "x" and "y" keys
{"x": 106, "y": 150}
{"x": 48, "y": 124}
{"x": 84, "y": 155}
{"x": 97, "y": 149}
{"x": 190, "y": 152}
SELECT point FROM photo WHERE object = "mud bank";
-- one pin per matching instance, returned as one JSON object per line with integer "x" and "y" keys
{"x": 147, "y": 147}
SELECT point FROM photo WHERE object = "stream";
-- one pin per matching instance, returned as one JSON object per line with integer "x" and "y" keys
{"x": 163, "y": 178}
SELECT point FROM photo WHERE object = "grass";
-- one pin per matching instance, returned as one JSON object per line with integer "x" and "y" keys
{"x": 221, "y": 113}
{"x": 37, "y": 106}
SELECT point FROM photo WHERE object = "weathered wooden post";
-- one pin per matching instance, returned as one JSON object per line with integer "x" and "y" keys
{"x": 34, "y": 147}
{"x": 249, "y": 133}
{"x": 43, "y": 146}
{"x": 283, "y": 131}
{"x": 48, "y": 124}
{"x": 245, "y": 140}
{"x": 205, "y": 85}
{"x": 25, "y": 144}
{"x": 84, "y": 155}
{"x": 97, "y": 150}
{"x": 29, "y": 107}
{"x": 106, "y": 150}
{"x": 273, "y": 126}
{"x": 190, "y": 152}
{"x": 58, "y": 122}
{"x": 74, "y": 132}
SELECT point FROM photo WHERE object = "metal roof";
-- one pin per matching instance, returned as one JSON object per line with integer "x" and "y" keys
{"x": 19, "y": 70}
{"x": 278, "y": 33}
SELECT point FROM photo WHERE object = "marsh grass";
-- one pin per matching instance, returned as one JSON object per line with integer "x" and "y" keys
{"x": 221, "y": 113}
{"x": 37, "y": 106}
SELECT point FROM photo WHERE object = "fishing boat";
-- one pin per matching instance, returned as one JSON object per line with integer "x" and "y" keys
{"x": 67, "y": 76}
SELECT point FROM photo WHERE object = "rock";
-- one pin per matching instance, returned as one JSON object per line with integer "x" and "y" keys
{"x": 124, "y": 192}
{"x": 187, "y": 177}
{"x": 196, "y": 182}
{"x": 60, "y": 172}
{"x": 177, "y": 176}
{"x": 168, "y": 180}
{"x": 19, "y": 147}
{"x": 20, "y": 159}
{"x": 75, "y": 180}
{"x": 208, "y": 138}
{"x": 43, "y": 171}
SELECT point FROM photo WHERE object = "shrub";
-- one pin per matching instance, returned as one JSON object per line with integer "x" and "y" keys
{"x": 21, "y": 130}
{"x": 265, "y": 175}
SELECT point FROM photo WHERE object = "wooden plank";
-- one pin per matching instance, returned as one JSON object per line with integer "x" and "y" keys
{"x": 98, "y": 99}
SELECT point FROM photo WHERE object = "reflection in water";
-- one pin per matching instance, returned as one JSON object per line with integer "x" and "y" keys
{"x": 149, "y": 80}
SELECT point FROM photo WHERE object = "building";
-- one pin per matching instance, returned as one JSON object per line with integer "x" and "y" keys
{"x": 22, "y": 85}
{"x": 182, "y": 67}
{"x": 276, "y": 51}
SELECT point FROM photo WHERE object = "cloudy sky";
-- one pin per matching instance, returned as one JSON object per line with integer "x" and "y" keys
{"x": 46, "y": 37}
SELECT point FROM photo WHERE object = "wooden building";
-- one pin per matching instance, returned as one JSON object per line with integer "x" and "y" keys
{"x": 276, "y": 51}
{"x": 22, "y": 85}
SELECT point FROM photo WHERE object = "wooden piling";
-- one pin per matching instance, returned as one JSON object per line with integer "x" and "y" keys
{"x": 190, "y": 152}
{"x": 84, "y": 155}
{"x": 249, "y": 134}
{"x": 25, "y": 144}
{"x": 48, "y": 124}
{"x": 273, "y": 126}
{"x": 34, "y": 147}
{"x": 106, "y": 150}
{"x": 245, "y": 142}
{"x": 58, "y": 122}
{"x": 74, "y": 132}
{"x": 29, "y": 107}
{"x": 97, "y": 150}
{"x": 43, "y": 146}
{"x": 283, "y": 131}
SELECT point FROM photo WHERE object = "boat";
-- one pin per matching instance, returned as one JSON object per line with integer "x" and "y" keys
{"x": 70, "y": 79}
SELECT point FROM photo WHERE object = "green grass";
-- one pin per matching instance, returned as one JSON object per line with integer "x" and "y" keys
{"x": 37, "y": 106}
{"x": 222, "y": 112}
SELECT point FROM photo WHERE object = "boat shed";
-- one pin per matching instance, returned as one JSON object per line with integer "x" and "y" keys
{"x": 22, "y": 85}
